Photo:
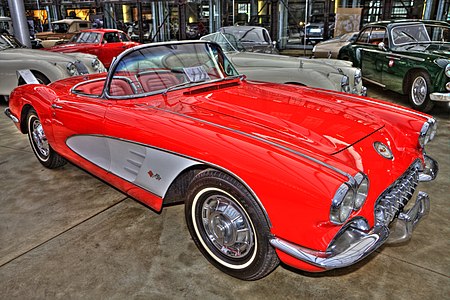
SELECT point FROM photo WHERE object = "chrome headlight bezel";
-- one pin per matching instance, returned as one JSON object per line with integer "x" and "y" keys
{"x": 362, "y": 190}
{"x": 447, "y": 70}
{"x": 72, "y": 69}
{"x": 95, "y": 64}
{"x": 349, "y": 197}
{"x": 427, "y": 132}
{"x": 345, "y": 84}
{"x": 342, "y": 204}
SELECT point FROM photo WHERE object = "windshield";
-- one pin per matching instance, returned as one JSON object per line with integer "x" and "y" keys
{"x": 156, "y": 69}
{"x": 420, "y": 33}
{"x": 247, "y": 34}
{"x": 8, "y": 41}
{"x": 60, "y": 27}
{"x": 227, "y": 42}
{"x": 86, "y": 37}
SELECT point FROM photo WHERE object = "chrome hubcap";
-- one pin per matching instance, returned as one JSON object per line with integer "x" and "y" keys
{"x": 227, "y": 226}
{"x": 419, "y": 90}
{"x": 39, "y": 138}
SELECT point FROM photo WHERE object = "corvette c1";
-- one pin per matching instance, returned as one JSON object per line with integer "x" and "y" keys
{"x": 268, "y": 172}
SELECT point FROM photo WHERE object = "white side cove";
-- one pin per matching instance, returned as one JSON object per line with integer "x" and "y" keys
{"x": 149, "y": 168}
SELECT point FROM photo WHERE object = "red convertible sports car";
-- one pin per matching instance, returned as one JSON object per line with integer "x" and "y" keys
{"x": 104, "y": 43}
{"x": 268, "y": 172}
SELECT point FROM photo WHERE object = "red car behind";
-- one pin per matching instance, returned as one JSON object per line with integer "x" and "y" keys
{"x": 104, "y": 43}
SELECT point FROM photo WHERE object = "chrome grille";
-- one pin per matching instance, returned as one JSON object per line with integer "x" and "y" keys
{"x": 81, "y": 68}
{"x": 394, "y": 199}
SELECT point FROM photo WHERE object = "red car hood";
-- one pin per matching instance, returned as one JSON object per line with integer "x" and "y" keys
{"x": 297, "y": 117}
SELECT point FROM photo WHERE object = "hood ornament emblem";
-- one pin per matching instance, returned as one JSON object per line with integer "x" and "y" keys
{"x": 383, "y": 150}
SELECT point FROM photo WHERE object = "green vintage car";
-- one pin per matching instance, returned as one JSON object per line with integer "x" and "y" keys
{"x": 410, "y": 57}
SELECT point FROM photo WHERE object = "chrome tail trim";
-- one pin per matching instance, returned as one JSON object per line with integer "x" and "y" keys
{"x": 9, "y": 114}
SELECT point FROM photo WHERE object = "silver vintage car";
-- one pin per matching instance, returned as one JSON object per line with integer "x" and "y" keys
{"x": 45, "y": 66}
{"x": 331, "y": 74}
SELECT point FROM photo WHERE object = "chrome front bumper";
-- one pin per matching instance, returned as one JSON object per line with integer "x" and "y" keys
{"x": 356, "y": 240}
{"x": 354, "y": 244}
{"x": 443, "y": 97}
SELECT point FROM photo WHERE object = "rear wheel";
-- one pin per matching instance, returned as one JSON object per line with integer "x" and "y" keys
{"x": 39, "y": 143}
{"x": 228, "y": 226}
{"x": 419, "y": 91}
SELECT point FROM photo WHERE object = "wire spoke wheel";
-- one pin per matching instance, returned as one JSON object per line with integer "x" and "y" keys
{"x": 419, "y": 90}
{"x": 419, "y": 84}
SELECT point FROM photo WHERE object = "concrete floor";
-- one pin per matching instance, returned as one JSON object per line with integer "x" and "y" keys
{"x": 66, "y": 234}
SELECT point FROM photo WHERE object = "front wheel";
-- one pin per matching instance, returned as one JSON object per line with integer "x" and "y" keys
{"x": 419, "y": 91}
{"x": 39, "y": 143}
{"x": 228, "y": 226}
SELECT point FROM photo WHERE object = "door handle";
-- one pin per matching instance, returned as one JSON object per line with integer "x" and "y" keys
{"x": 56, "y": 106}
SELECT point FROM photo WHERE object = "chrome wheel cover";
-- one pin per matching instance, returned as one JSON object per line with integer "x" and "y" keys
{"x": 419, "y": 90}
{"x": 39, "y": 138}
{"x": 227, "y": 226}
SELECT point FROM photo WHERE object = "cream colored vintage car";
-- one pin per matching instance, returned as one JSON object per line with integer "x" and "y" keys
{"x": 331, "y": 47}
{"x": 63, "y": 31}
{"x": 45, "y": 66}
{"x": 331, "y": 74}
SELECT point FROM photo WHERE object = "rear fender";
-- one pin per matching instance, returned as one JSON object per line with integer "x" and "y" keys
{"x": 40, "y": 98}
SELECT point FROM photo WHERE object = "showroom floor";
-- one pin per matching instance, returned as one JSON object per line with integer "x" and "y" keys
{"x": 66, "y": 234}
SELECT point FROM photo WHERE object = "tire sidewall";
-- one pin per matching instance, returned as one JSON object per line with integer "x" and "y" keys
{"x": 197, "y": 203}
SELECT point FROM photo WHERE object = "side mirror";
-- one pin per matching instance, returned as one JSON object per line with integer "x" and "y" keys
{"x": 382, "y": 46}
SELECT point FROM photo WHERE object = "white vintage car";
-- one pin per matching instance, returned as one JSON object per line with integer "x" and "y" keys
{"x": 45, "y": 66}
{"x": 331, "y": 74}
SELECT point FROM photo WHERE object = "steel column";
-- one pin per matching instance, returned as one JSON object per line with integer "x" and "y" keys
{"x": 19, "y": 20}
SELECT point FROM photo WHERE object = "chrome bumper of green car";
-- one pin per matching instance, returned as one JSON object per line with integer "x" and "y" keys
{"x": 443, "y": 97}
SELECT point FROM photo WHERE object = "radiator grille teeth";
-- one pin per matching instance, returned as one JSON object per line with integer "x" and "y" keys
{"x": 394, "y": 199}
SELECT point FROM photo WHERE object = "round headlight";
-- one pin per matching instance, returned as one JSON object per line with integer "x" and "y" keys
{"x": 447, "y": 70}
{"x": 72, "y": 69}
{"x": 361, "y": 193}
{"x": 95, "y": 63}
{"x": 345, "y": 84}
{"x": 342, "y": 205}
{"x": 346, "y": 207}
{"x": 427, "y": 132}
